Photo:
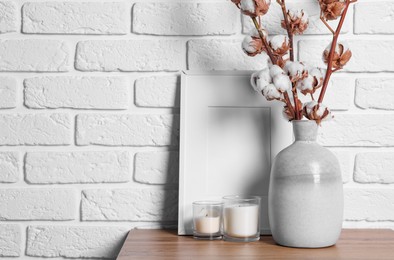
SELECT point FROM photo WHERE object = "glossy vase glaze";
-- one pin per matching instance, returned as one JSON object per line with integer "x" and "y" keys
{"x": 305, "y": 192}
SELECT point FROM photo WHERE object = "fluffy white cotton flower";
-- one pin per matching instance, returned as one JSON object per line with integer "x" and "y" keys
{"x": 278, "y": 41}
{"x": 295, "y": 70}
{"x": 270, "y": 92}
{"x": 276, "y": 70}
{"x": 260, "y": 79}
{"x": 252, "y": 45}
{"x": 248, "y": 5}
{"x": 315, "y": 111}
{"x": 282, "y": 82}
{"x": 298, "y": 14}
{"x": 306, "y": 85}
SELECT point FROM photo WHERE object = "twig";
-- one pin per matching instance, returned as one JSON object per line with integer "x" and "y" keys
{"x": 262, "y": 37}
{"x": 325, "y": 22}
{"x": 332, "y": 50}
{"x": 282, "y": 3}
{"x": 312, "y": 96}
{"x": 288, "y": 103}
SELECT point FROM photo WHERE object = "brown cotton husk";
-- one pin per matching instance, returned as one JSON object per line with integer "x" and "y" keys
{"x": 297, "y": 24}
{"x": 340, "y": 58}
{"x": 331, "y": 9}
{"x": 261, "y": 8}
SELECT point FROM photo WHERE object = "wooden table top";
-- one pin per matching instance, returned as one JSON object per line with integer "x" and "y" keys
{"x": 166, "y": 244}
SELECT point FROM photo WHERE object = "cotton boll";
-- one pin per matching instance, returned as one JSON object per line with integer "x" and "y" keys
{"x": 306, "y": 85}
{"x": 270, "y": 92}
{"x": 248, "y": 5}
{"x": 280, "y": 44}
{"x": 275, "y": 70}
{"x": 282, "y": 82}
{"x": 252, "y": 45}
{"x": 295, "y": 70}
{"x": 260, "y": 79}
{"x": 315, "y": 111}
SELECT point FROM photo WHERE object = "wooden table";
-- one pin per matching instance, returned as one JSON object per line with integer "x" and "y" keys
{"x": 165, "y": 244}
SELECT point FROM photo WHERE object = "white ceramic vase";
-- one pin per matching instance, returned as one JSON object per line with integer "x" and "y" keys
{"x": 305, "y": 192}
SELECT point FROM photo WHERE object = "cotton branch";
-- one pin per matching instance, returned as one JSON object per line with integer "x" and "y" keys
{"x": 332, "y": 50}
{"x": 282, "y": 4}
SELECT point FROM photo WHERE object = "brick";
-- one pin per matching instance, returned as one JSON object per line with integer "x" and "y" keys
{"x": 368, "y": 55}
{"x": 78, "y": 167}
{"x": 374, "y": 18}
{"x": 375, "y": 93}
{"x": 127, "y": 129}
{"x": 191, "y": 18}
{"x": 37, "y": 204}
{"x": 338, "y": 94}
{"x": 7, "y": 92}
{"x": 35, "y": 129}
{"x": 34, "y": 55}
{"x": 75, "y": 18}
{"x": 345, "y": 160}
{"x": 10, "y": 165}
{"x": 10, "y": 240}
{"x": 129, "y": 205}
{"x": 8, "y": 14}
{"x": 130, "y": 55}
{"x": 272, "y": 19}
{"x": 374, "y": 168}
{"x": 369, "y": 204}
{"x": 157, "y": 167}
{"x": 76, "y": 92}
{"x": 222, "y": 55}
{"x": 161, "y": 91}
{"x": 358, "y": 130}
{"x": 75, "y": 241}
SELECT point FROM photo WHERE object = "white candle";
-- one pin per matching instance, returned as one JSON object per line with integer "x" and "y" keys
{"x": 241, "y": 220}
{"x": 207, "y": 225}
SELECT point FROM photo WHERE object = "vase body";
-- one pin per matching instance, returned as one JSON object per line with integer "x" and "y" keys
{"x": 306, "y": 192}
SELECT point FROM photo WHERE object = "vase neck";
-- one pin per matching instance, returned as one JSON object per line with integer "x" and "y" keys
{"x": 305, "y": 130}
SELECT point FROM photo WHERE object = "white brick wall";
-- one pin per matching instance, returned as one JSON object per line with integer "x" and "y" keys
{"x": 89, "y": 114}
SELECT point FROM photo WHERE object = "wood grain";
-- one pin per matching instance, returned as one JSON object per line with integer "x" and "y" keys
{"x": 165, "y": 244}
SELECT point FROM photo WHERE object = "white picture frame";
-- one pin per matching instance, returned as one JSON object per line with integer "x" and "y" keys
{"x": 229, "y": 137}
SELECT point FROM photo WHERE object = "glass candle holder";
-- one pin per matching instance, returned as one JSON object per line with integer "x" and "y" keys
{"x": 241, "y": 218}
{"x": 207, "y": 220}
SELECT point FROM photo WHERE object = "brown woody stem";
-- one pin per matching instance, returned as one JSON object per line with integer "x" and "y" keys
{"x": 289, "y": 33}
{"x": 332, "y": 50}
{"x": 264, "y": 40}
{"x": 288, "y": 103}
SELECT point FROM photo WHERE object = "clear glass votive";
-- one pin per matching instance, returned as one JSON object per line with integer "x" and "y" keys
{"x": 207, "y": 220}
{"x": 241, "y": 218}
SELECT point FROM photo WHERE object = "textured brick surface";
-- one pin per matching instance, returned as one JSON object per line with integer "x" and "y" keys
{"x": 369, "y": 204}
{"x": 37, "y": 129}
{"x": 77, "y": 92}
{"x": 75, "y": 241}
{"x": 78, "y": 167}
{"x": 8, "y": 14}
{"x": 374, "y": 17}
{"x": 34, "y": 55}
{"x": 8, "y": 90}
{"x": 358, "y": 130}
{"x": 185, "y": 18}
{"x": 162, "y": 91}
{"x": 374, "y": 168}
{"x": 129, "y": 204}
{"x": 367, "y": 54}
{"x": 10, "y": 240}
{"x": 375, "y": 93}
{"x": 90, "y": 104}
{"x": 10, "y": 165}
{"x": 221, "y": 55}
{"x": 75, "y": 18}
{"x": 130, "y": 55}
{"x": 38, "y": 204}
{"x": 157, "y": 167}
{"x": 123, "y": 130}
